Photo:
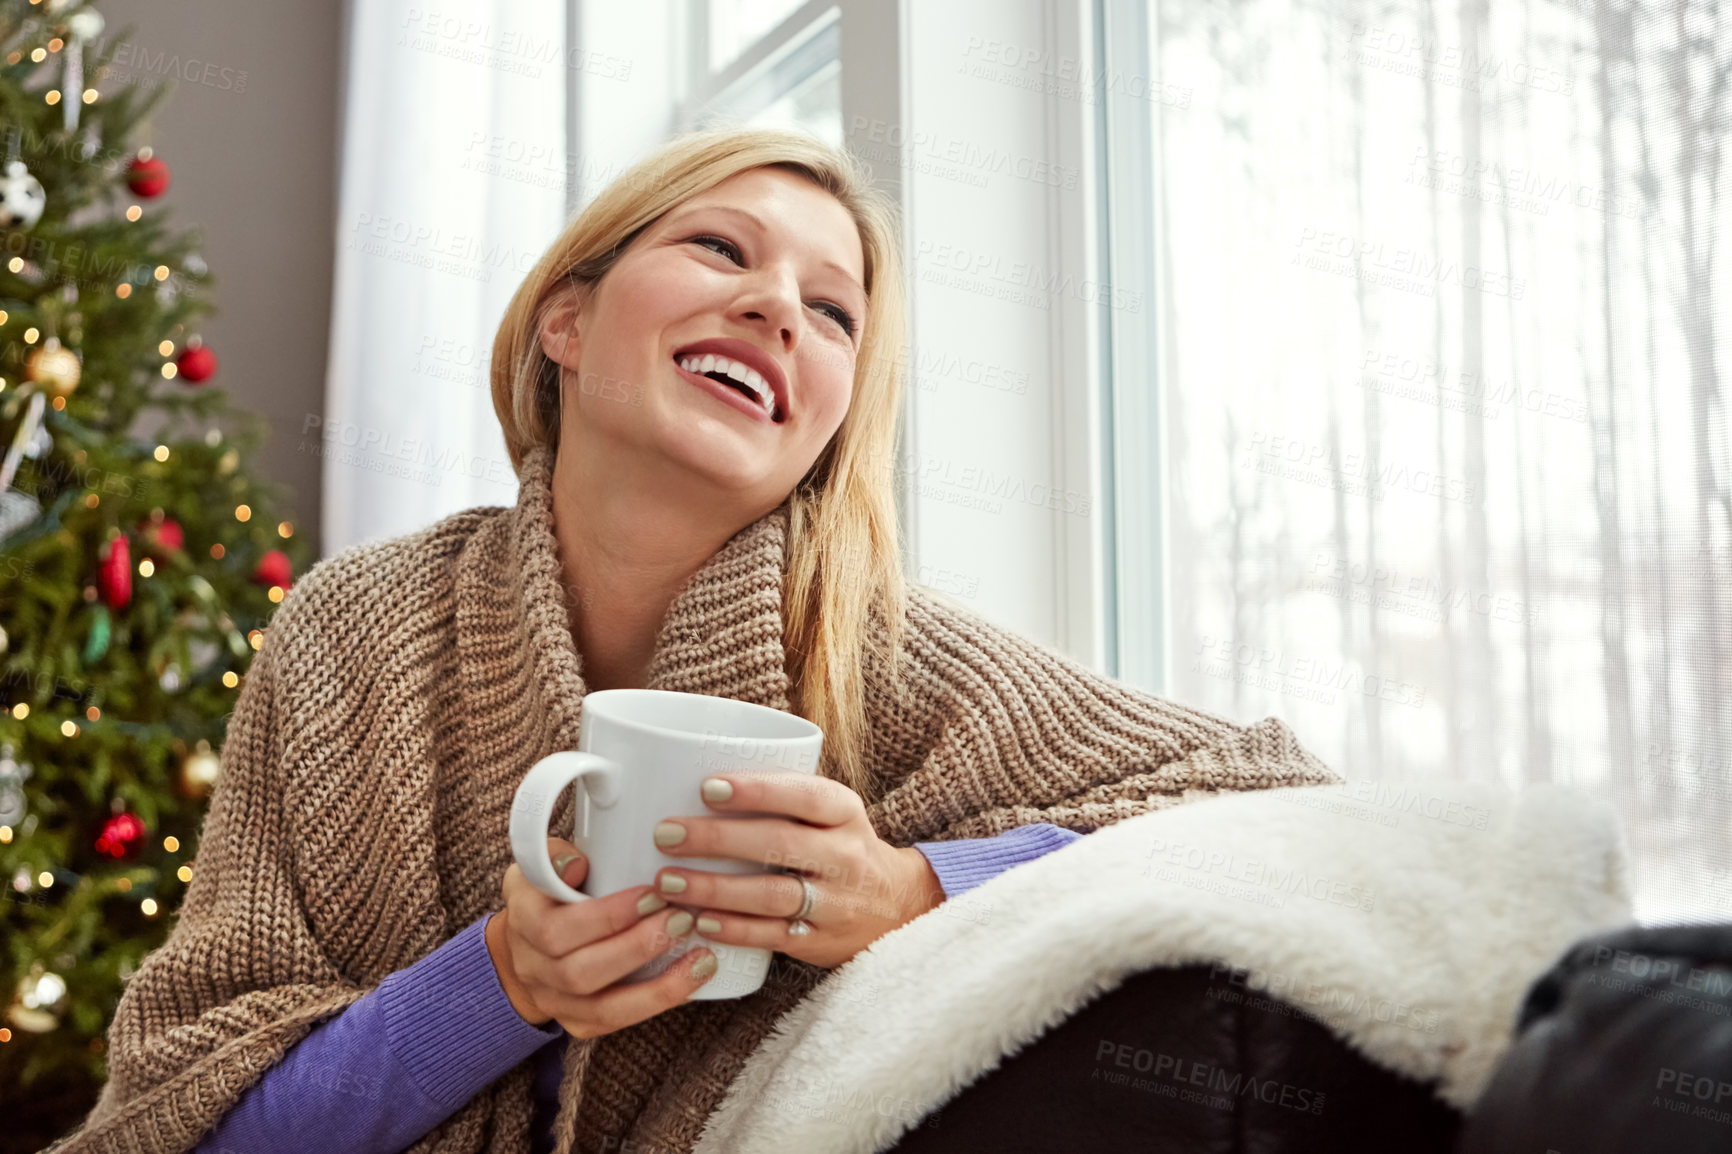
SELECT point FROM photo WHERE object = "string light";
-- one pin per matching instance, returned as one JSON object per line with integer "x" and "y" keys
{"x": 146, "y": 567}
{"x": 161, "y": 453}
{"x": 230, "y": 680}
{"x": 124, "y": 885}
{"x": 45, "y": 879}
{"x": 184, "y": 873}
{"x": 171, "y": 844}
{"x": 123, "y": 291}
{"x": 69, "y": 728}
{"x": 148, "y": 905}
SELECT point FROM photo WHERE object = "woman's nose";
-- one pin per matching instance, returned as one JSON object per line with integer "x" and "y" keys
{"x": 775, "y": 301}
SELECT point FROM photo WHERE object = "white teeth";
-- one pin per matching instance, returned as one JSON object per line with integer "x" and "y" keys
{"x": 743, "y": 373}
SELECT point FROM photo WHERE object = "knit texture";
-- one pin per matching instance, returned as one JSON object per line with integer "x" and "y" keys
{"x": 405, "y": 687}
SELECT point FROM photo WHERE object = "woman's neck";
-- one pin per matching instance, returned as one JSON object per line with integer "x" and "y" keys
{"x": 623, "y": 554}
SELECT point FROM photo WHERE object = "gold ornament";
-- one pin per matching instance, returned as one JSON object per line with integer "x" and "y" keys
{"x": 40, "y": 1001}
{"x": 55, "y": 366}
{"x": 199, "y": 771}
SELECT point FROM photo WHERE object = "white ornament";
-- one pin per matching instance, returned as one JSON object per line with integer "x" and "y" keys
{"x": 16, "y": 511}
{"x": 41, "y": 998}
{"x": 86, "y": 25}
{"x": 21, "y": 197}
{"x": 56, "y": 7}
{"x": 39, "y": 443}
{"x": 12, "y": 778}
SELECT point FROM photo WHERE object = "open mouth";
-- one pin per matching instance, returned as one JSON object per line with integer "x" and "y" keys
{"x": 736, "y": 376}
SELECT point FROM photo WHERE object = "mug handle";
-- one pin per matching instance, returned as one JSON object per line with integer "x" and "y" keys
{"x": 534, "y": 802}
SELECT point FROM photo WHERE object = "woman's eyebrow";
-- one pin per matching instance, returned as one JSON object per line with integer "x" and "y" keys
{"x": 753, "y": 220}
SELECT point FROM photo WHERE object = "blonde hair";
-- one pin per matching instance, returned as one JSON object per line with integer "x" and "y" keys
{"x": 844, "y": 595}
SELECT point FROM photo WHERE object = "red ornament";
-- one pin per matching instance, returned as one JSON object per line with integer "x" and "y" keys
{"x": 122, "y": 836}
{"x": 114, "y": 573}
{"x": 162, "y": 538}
{"x": 147, "y": 176}
{"x": 196, "y": 364}
{"x": 273, "y": 569}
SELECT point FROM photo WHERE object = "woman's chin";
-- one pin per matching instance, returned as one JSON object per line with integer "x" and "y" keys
{"x": 720, "y": 459}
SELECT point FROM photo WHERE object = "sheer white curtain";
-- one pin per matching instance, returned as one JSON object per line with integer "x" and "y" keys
{"x": 453, "y": 183}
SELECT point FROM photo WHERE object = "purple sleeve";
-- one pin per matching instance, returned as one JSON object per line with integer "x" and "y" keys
{"x": 963, "y": 864}
{"x": 394, "y": 1064}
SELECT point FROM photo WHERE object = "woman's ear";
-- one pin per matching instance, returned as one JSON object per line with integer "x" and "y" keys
{"x": 558, "y": 331}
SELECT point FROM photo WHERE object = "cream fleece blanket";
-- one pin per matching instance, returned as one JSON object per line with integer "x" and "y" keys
{"x": 1410, "y": 920}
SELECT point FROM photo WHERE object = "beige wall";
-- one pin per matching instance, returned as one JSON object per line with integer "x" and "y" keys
{"x": 254, "y": 162}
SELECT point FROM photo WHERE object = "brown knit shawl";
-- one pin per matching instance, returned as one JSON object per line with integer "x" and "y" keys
{"x": 403, "y": 690}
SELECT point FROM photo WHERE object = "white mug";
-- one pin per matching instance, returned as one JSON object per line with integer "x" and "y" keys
{"x": 641, "y": 756}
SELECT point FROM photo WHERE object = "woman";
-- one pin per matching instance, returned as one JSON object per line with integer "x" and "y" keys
{"x": 673, "y": 530}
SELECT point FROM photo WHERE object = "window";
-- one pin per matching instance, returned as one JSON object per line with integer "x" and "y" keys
{"x": 765, "y": 62}
{"x": 735, "y": 24}
{"x": 1426, "y": 450}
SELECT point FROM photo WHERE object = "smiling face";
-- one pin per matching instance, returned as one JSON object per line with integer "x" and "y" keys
{"x": 759, "y": 277}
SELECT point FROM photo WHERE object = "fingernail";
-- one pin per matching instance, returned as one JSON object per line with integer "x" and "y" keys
{"x": 703, "y": 967}
{"x": 716, "y": 789}
{"x": 669, "y": 833}
{"x": 649, "y": 904}
{"x": 672, "y": 884}
{"x": 563, "y": 860}
{"x": 680, "y": 924}
{"x": 709, "y": 926}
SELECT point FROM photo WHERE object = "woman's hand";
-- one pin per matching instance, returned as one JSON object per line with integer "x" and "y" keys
{"x": 866, "y": 887}
{"x": 562, "y": 960}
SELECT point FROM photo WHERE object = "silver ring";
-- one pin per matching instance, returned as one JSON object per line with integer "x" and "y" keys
{"x": 797, "y": 924}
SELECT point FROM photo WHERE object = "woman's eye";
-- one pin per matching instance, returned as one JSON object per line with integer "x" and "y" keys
{"x": 728, "y": 244}
{"x": 840, "y": 315}
{"x": 835, "y": 312}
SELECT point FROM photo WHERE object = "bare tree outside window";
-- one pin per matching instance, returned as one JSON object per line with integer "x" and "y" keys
{"x": 1442, "y": 340}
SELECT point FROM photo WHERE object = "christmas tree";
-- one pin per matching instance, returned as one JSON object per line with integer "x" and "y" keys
{"x": 137, "y": 572}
